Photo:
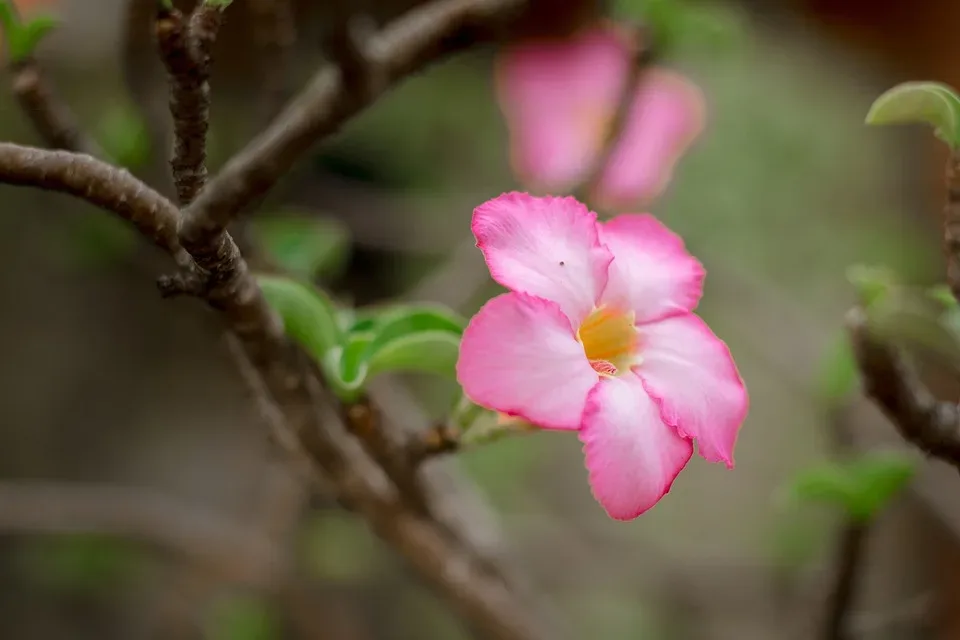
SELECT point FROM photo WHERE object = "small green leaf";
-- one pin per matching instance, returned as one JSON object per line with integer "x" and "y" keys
{"x": 875, "y": 479}
{"x": 243, "y": 617}
{"x": 914, "y": 102}
{"x": 827, "y": 483}
{"x": 309, "y": 316}
{"x": 22, "y": 37}
{"x": 909, "y": 320}
{"x": 402, "y": 338}
{"x": 31, "y": 34}
{"x": 839, "y": 374}
{"x": 942, "y": 294}
{"x": 307, "y": 246}
{"x": 872, "y": 283}
{"x": 425, "y": 351}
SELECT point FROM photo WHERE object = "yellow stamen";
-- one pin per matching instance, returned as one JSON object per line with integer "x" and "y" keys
{"x": 609, "y": 336}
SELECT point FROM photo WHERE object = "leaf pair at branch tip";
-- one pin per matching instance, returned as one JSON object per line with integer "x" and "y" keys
{"x": 933, "y": 103}
{"x": 405, "y": 338}
{"x": 22, "y": 37}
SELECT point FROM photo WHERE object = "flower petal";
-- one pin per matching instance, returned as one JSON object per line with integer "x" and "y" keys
{"x": 667, "y": 116}
{"x": 651, "y": 274}
{"x": 519, "y": 356}
{"x": 691, "y": 374}
{"x": 547, "y": 247}
{"x": 632, "y": 456}
{"x": 558, "y": 97}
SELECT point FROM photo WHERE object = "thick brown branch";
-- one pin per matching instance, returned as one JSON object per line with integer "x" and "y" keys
{"x": 930, "y": 425}
{"x": 188, "y": 73}
{"x": 424, "y": 34}
{"x": 98, "y": 183}
{"x": 52, "y": 119}
{"x": 227, "y": 548}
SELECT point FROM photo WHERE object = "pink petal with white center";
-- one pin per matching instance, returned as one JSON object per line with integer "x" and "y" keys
{"x": 667, "y": 116}
{"x": 690, "y": 373}
{"x": 547, "y": 247}
{"x": 558, "y": 97}
{"x": 632, "y": 456}
{"x": 651, "y": 274}
{"x": 519, "y": 356}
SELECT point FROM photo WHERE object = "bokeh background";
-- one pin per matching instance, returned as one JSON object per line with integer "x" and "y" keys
{"x": 107, "y": 388}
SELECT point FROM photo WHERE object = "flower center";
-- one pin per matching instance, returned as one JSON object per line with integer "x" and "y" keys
{"x": 609, "y": 340}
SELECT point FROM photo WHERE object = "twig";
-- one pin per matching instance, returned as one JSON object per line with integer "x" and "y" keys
{"x": 185, "y": 55}
{"x": 437, "y": 440}
{"x": 641, "y": 55}
{"x": 51, "y": 117}
{"x": 423, "y": 35}
{"x": 227, "y": 548}
{"x": 951, "y": 223}
{"x": 930, "y": 425}
{"x": 98, "y": 183}
{"x": 844, "y": 588}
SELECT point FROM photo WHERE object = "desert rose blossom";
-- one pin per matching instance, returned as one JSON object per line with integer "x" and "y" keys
{"x": 597, "y": 335}
{"x": 560, "y": 97}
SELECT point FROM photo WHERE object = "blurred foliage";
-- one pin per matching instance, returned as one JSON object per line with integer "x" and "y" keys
{"x": 861, "y": 488}
{"x": 80, "y": 562}
{"x": 839, "y": 376}
{"x": 336, "y": 546}
{"x": 303, "y": 244}
{"x": 932, "y": 103}
{"x": 22, "y": 36}
{"x": 93, "y": 240}
{"x": 243, "y": 617}
{"x": 123, "y": 135}
{"x": 684, "y": 24}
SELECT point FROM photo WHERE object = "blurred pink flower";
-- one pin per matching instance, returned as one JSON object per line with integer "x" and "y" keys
{"x": 597, "y": 335}
{"x": 559, "y": 98}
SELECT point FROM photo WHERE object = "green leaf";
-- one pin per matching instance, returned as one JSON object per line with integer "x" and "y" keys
{"x": 839, "y": 374}
{"x": 31, "y": 34}
{"x": 243, "y": 617}
{"x": 942, "y": 294}
{"x": 22, "y": 37}
{"x": 679, "y": 23}
{"x": 309, "y": 316}
{"x": 402, "y": 338}
{"x": 307, "y": 246}
{"x": 826, "y": 483}
{"x": 933, "y": 103}
{"x": 911, "y": 321}
{"x": 877, "y": 478}
{"x": 873, "y": 284}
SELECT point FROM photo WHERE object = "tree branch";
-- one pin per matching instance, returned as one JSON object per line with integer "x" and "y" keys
{"x": 423, "y": 35}
{"x": 185, "y": 51}
{"x": 98, "y": 183}
{"x": 227, "y": 548}
{"x": 52, "y": 118}
{"x": 930, "y": 425}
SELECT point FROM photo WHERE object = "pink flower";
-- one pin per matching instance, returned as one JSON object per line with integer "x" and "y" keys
{"x": 597, "y": 335}
{"x": 559, "y": 98}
